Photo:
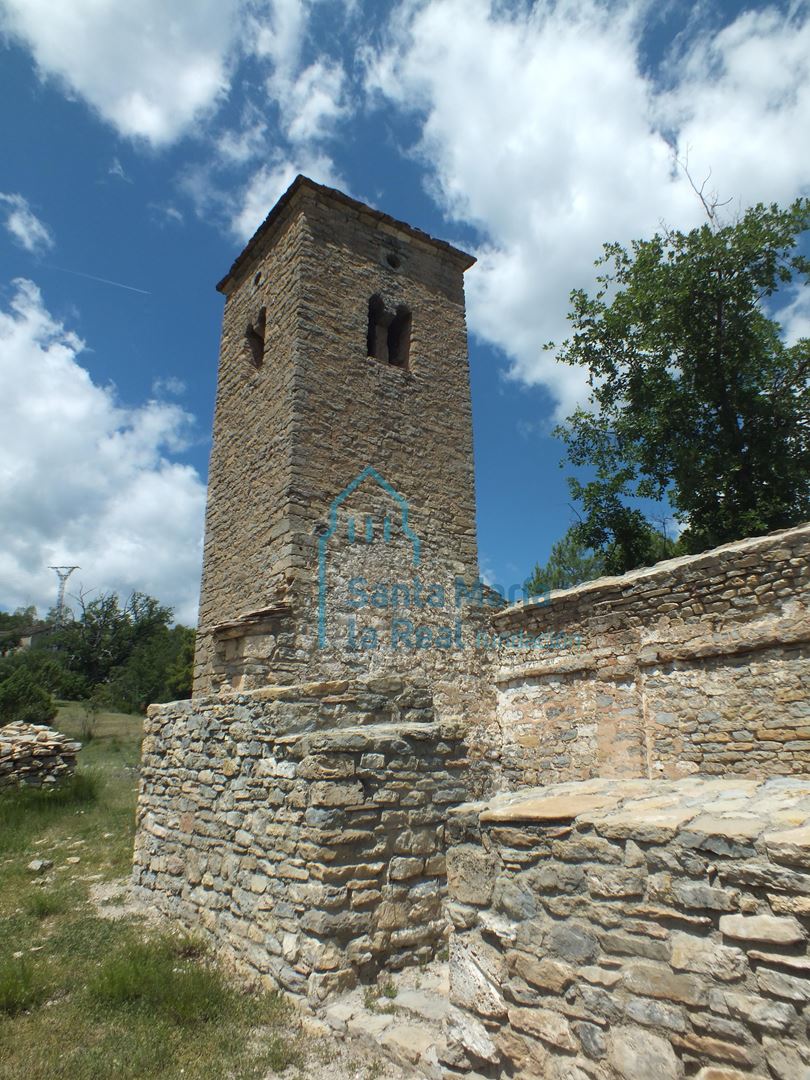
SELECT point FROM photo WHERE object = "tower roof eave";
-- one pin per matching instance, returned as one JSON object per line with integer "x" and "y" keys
{"x": 291, "y": 197}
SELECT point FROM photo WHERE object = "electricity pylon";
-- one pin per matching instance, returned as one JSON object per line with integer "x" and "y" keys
{"x": 63, "y": 573}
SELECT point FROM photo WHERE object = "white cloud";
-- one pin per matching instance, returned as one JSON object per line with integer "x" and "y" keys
{"x": 86, "y": 480}
{"x": 310, "y": 100}
{"x": 168, "y": 385}
{"x": 166, "y": 214}
{"x": 540, "y": 127}
{"x": 149, "y": 68}
{"x": 311, "y": 103}
{"x": 270, "y": 182}
{"x": 741, "y": 103}
{"x": 116, "y": 169}
{"x": 795, "y": 316}
{"x": 276, "y": 31}
{"x": 23, "y": 224}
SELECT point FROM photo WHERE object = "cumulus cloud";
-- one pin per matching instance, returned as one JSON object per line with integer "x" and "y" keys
{"x": 85, "y": 479}
{"x": 25, "y": 227}
{"x": 543, "y": 127}
{"x": 147, "y": 67}
{"x": 270, "y": 182}
{"x": 795, "y": 316}
{"x": 309, "y": 99}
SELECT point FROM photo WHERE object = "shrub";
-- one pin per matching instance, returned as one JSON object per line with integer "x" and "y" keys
{"x": 23, "y": 699}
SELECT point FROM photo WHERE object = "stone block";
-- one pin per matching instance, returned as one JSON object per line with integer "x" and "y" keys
{"x": 402, "y": 868}
{"x": 657, "y": 981}
{"x": 551, "y": 975}
{"x": 773, "y": 930}
{"x": 634, "y": 1053}
{"x": 545, "y": 1024}
{"x": 787, "y": 1059}
{"x": 615, "y": 883}
{"x": 471, "y": 874}
{"x": 325, "y": 793}
{"x": 690, "y": 953}
{"x": 476, "y": 976}
{"x": 773, "y": 1016}
{"x": 706, "y": 1047}
{"x": 653, "y": 1013}
{"x": 780, "y": 985}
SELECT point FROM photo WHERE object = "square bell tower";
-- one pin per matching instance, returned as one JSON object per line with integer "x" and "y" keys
{"x": 344, "y": 349}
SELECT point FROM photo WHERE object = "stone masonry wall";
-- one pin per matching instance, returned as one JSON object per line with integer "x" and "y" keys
{"x": 632, "y": 930}
{"x": 696, "y": 664}
{"x": 292, "y": 431}
{"x": 301, "y": 828}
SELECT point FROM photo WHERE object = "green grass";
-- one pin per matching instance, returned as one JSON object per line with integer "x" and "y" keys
{"x": 42, "y": 905}
{"x": 18, "y": 986}
{"x": 86, "y": 998}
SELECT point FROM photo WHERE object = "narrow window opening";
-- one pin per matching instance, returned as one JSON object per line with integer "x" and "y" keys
{"x": 389, "y": 333}
{"x": 399, "y": 338}
{"x": 254, "y": 335}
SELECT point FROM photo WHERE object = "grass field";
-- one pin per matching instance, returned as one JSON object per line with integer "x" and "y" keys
{"x": 86, "y": 998}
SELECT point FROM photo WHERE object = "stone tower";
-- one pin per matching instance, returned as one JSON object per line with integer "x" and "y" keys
{"x": 343, "y": 360}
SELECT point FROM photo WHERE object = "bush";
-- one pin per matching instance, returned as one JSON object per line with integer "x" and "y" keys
{"x": 23, "y": 699}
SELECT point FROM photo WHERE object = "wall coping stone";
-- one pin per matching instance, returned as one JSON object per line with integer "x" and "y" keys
{"x": 283, "y": 692}
{"x": 624, "y": 582}
{"x": 772, "y": 816}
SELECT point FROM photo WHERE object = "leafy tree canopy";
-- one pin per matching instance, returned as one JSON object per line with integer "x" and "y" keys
{"x": 23, "y": 699}
{"x": 119, "y": 655}
{"x": 568, "y": 564}
{"x": 695, "y": 396}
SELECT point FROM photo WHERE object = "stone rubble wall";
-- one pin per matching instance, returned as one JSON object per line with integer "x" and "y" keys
{"x": 632, "y": 930}
{"x": 301, "y": 827}
{"x": 34, "y": 755}
{"x": 698, "y": 664}
{"x": 291, "y": 434}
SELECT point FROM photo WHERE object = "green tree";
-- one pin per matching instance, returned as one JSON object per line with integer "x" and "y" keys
{"x": 180, "y": 673}
{"x": 106, "y": 634}
{"x": 157, "y": 669}
{"x": 695, "y": 397}
{"x": 569, "y": 563}
{"x": 23, "y": 699}
{"x": 13, "y": 625}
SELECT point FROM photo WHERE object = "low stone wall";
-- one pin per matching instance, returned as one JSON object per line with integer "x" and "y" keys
{"x": 34, "y": 755}
{"x": 699, "y": 664}
{"x": 632, "y": 930}
{"x": 301, "y": 827}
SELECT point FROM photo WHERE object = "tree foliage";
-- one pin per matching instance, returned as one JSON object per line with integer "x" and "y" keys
{"x": 120, "y": 655}
{"x": 13, "y": 625}
{"x": 569, "y": 563}
{"x": 23, "y": 699}
{"x": 695, "y": 397}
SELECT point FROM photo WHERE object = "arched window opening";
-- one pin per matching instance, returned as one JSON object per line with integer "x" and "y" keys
{"x": 254, "y": 336}
{"x": 389, "y": 333}
{"x": 399, "y": 338}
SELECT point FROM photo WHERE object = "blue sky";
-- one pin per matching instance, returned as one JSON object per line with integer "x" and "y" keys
{"x": 144, "y": 142}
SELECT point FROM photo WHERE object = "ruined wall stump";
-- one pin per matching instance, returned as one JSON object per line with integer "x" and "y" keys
{"x": 626, "y": 929}
{"x": 301, "y": 828}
